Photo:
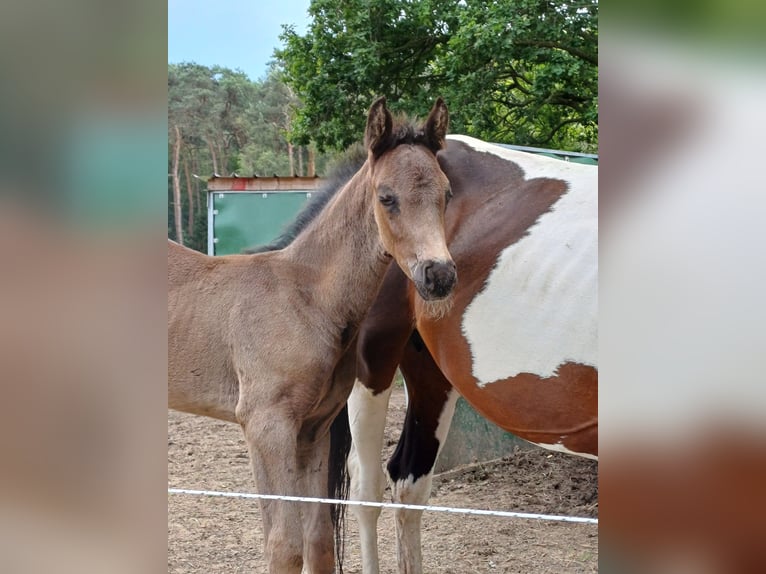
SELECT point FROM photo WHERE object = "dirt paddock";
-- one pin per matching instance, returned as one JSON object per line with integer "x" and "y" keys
{"x": 222, "y": 535}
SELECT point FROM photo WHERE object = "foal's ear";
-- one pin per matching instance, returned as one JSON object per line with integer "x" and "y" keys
{"x": 436, "y": 126}
{"x": 377, "y": 136}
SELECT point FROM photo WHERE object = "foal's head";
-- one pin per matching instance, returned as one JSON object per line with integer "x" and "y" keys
{"x": 411, "y": 193}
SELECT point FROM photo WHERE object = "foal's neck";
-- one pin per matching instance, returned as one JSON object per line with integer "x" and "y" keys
{"x": 342, "y": 248}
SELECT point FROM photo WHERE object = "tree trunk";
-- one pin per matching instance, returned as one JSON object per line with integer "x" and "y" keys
{"x": 195, "y": 169}
{"x": 290, "y": 157}
{"x": 312, "y": 162}
{"x": 177, "y": 189}
{"x": 213, "y": 156}
{"x": 224, "y": 164}
{"x": 300, "y": 160}
{"x": 190, "y": 198}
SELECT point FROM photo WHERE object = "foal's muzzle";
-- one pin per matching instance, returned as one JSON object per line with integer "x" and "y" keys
{"x": 435, "y": 279}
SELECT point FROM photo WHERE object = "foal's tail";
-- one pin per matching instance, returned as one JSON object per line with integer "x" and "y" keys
{"x": 338, "y": 479}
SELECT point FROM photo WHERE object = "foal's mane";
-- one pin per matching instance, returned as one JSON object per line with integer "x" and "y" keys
{"x": 351, "y": 161}
{"x": 405, "y": 131}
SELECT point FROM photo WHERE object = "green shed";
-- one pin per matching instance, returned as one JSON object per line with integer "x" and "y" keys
{"x": 248, "y": 211}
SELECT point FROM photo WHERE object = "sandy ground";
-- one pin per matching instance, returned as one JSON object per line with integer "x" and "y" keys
{"x": 216, "y": 535}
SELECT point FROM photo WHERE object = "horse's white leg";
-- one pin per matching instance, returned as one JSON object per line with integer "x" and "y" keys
{"x": 272, "y": 442}
{"x": 367, "y": 415}
{"x": 411, "y": 480}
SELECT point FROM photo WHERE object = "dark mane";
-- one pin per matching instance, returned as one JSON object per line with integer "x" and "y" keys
{"x": 405, "y": 131}
{"x": 349, "y": 164}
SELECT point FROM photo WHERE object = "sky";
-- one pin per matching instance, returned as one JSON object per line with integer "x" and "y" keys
{"x": 237, "y": 34}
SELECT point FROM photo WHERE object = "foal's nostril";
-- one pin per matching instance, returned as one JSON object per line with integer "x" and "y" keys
{"x": 428, "y": 274}
{"x": 439, "y": 277}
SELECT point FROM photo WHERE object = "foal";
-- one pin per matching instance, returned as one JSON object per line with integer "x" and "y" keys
{"x": 258, "y": 339}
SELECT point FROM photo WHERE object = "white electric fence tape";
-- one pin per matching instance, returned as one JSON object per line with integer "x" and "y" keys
{"x": 504, "y": 513}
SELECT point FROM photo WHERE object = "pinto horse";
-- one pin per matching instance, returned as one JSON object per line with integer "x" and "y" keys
{"x": 260, "y": 339}
{"x": 518, "y": 340}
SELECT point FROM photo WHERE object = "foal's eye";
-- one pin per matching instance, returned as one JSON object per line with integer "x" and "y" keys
{"x": 387, "y": 200}
{"x": 449, "y": 194}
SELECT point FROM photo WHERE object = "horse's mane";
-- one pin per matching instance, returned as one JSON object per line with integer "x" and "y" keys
{"x": 405, "y": 131}
{"x": 351, "y": 161}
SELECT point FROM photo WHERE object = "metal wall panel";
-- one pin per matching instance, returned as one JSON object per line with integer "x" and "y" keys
{"x": 241, "y": 220}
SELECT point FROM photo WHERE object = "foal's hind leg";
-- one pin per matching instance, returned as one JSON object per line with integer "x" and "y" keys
{"x": 272, "y": 441}
{"x": 319, "y": 551}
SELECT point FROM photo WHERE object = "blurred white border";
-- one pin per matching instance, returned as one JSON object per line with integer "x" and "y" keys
{"x": 683, "y": 254}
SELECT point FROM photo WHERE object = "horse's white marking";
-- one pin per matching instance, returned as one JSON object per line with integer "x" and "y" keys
{"x": 445, "y": 418}
{"x": 414, "y": 491}
{"x": 558, "y": 447}
{"x": 367, "y": 415}
{"x": 417, "y": 491}
{"x": 539, "y": 306}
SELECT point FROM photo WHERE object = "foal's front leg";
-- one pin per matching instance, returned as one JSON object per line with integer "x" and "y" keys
{"x": 272, "y": 441}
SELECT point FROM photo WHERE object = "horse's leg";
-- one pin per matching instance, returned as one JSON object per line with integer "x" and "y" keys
{"x": 271, "y": 438}
{"x": 381, "y": 339}
{"x": 429, "y": 414}
{"x": 367, "y": 413}
{"x": 324, "y": 461}
{"x": 319, "y": 555}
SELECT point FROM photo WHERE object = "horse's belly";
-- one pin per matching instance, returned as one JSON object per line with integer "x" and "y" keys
{"x": 539, "y": 305}
{"x": 526, "y": 352}
{"x": 201, "y": 379}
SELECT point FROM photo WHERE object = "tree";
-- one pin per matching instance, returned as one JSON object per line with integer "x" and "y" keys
{"x": 221, "y": 122}
{"x": 522, "y": 72}
{"x": 267, "y": 150}
{"x": 205, "y": 130}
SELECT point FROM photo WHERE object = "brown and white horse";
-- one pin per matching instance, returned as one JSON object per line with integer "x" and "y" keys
{"x": 259, "y": 339}
{"x": 519, "y": 341}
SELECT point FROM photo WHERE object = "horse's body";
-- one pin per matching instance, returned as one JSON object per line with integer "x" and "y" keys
{"x": 519, "y": 342}
{"x": 260, "y": 339}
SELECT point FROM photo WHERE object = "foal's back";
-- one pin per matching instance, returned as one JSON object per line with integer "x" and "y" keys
{"x": 184, "y": 264}
{"x": 205, "y": 295}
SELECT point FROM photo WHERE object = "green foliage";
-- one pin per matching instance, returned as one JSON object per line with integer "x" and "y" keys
{"x": 522, "y": 72}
